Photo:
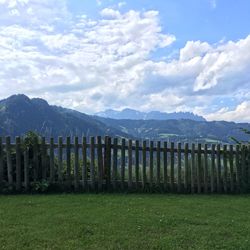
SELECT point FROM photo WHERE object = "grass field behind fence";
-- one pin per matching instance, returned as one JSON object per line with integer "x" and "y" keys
{"x": 118, "y": 221}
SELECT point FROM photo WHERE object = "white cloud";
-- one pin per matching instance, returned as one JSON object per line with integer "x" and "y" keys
{"x": 91, "y": 64}
{"x": 240, "y": 113}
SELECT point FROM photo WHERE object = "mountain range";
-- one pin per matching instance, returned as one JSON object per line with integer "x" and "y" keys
{"x": 132, "y": 114}
{"x": 20, "y": 114}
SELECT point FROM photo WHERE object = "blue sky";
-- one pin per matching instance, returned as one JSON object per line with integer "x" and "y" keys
{"x": 172, "y": 55}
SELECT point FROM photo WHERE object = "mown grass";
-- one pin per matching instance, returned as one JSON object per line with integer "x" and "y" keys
{"x": 117, "y": 221}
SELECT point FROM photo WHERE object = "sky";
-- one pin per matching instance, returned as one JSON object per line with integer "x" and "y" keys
{"x": 165, "y": 55}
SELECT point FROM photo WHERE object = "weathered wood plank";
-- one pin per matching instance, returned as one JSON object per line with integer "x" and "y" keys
{"x": 243, "y": 168}
{"x": 35, "y": 159}
{"x": 18, "y": 164}
{"x": 172, "y": 182}
{"x": 26, "y": 169}
{"x": 9, "y": 162}
{"x": 52, "y": 160}
{"x": 179, "y": 167}
{"x": 84, "y": 164}
{"x": 231, "y": 168}
{"x": 1, "y": 162}
{"x": 192, "y": 172}
{"x": 44, "y": 158}
{"x": 158, "y": 164}
{"x": 199, "y": 169}
{"x": 108, "y": 162}
{"x": 100, "y": 162}
{"x": 186, "y": 169}
{"x": 144, "y": 162}
{"x": 218, "y": 171}
{"x": 114, "y": 164}
{"x": 225, "y": 168}
{"x": 205, "y": 170}
{"x": 212, "y": 169}
{"x": 92, "y": 162}
{"x": 130, "y": 184}
{"x": 237, "y": 163}
{"x": 137, "y": 164}
{"x": 68, "y": 160}
{"x": 151, "y": 164}
{"x": 165, "y": 166}
{"x": 123, "y": 164}
{"x": 60, "y": 159}
{"x": 76, "y": 164}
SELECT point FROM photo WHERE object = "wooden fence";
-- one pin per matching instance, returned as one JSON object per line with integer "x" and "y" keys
{"x": 105, "y": 164}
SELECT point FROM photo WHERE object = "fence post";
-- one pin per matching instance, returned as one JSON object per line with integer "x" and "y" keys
{"x": 158, "y": 164}
{"x": 218, "y": 169}
{"x": 26, "y": 169}
{"x": 212, "y": 167}
{"x": 44, "y": 156}
{"x": 205, "y": 170}
{"x": 137, "y": 164}
{"x": 199, "y": 169}
{"x": 130, "y": 164}
{"x": 84, "y": 164}
{"x": 144, "y": 160}
{"x": 225, "y": 167}
{"x": 68, "y": 160}
{"x": 60, "y": 159}
{"x": 193, "y": 169}
{"x": 231, "y": 168}
{"x": 151, "y": 164}
{"x": 100, "y": 162}
{"x": 186, "y": 167}
{"x": 18, "y": 164}
{"x": 76, "y": 165}
{"x": 238, "y": 177}
{"x": 165, "y": 166}
{"x": 123, "y": 164}
{"x": 92, "y": 162}
{"x": 1, "y": 162}
{"x": 9, "y": 161}
{"x": 114, "y": 165}
{"x": 179, "y": 167}
{"x": 172, "y": 167}
{"x": 52, "y": 162}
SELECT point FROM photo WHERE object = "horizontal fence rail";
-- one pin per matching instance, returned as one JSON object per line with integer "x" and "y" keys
{"x": 114, "y": 164}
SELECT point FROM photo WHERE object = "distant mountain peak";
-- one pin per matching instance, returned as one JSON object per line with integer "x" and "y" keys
{"x": 132, "y": 114}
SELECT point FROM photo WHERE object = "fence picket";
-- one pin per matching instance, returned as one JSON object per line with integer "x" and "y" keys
{"x": 205, "y": 170}
{"x": 144, "y": 154}
{"x": 225, "y": 168}
{"x": 212, "y": 168}
{"x": 18, "y": 164}
{"x": 76, "y": 164}
{"x": 92, "y": 162}
{"x": 179, "y": 167}
{"x": 151, "y": 164}
{"x": 137, "y": 164}
{"x": 1, "y": 163}
{"x": 218, "y": 170}
{"x": 114, "y": 164}
{"x": 165, "y": 166}
{"x": 199, "y": 169}
{"x": 158, "y": 163}
{"x": 172, "y": 167}
{"x": 186, "y": 171}
{"x": 9, "y": 161}
{"x": 123, "y": 164}
{"x": 100, "y": 163}
{"x": 193, "y": 169}
{"x": 84, "y": 164}
{"x": 130, "y": 164}
{"x": 52, "y": 161}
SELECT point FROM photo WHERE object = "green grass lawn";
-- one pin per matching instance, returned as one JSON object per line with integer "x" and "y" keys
{"x": 118, "y": 221}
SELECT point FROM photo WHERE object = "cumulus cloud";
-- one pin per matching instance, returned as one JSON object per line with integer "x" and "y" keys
{"x": 92, "y": 64}
{"x": 240, "y": 113}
